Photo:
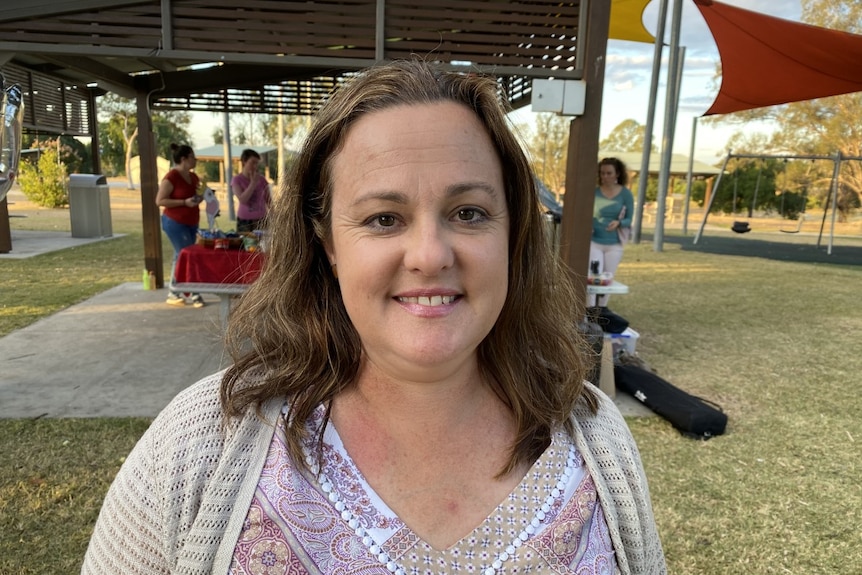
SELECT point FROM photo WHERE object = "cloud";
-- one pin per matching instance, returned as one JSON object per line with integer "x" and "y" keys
{"x": 623, "y": 86}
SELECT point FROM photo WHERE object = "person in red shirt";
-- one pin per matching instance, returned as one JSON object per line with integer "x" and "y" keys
{"x": 181, "y": 215}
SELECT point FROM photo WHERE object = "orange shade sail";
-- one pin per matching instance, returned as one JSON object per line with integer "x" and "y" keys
{"x": 767, "y": 61}
{"x": 627, "y": 18}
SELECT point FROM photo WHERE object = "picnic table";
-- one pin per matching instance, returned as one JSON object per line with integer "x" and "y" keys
{"x": 226, "y": 273}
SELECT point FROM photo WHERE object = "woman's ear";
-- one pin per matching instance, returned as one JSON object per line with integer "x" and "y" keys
{"x": 330, "y": 253}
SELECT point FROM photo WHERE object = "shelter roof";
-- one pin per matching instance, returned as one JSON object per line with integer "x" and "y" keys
{"x": 280, "y": 56}
{"x": 678, "y": 163}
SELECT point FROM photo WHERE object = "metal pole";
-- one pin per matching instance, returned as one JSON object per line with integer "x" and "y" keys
{"x": 280, "y": 146}
{"x": 835, "y": 174}
{"x": 689, "y": 177}
{"x": 669, "y": 125}
{"x": 653, "y": 89}
{"x": 228, "y": 166}
{"x": 712, "y": 198}
{"x": 756, "y": 189}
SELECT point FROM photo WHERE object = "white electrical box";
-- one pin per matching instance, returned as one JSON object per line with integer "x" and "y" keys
{"x": 565, "y": 97}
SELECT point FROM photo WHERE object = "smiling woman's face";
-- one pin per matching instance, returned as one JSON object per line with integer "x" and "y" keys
{"x": 420, "y": 235}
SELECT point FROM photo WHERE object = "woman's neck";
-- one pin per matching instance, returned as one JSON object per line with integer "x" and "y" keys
{"x": 434, "y": 409}
{"x": 610, "y": 189}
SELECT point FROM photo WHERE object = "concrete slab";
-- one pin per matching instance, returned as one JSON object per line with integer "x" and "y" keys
{"x": 26, "y": 243}
{"x": 121, "y": 353}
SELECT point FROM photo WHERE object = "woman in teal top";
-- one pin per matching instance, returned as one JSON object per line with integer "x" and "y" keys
{"x": 612, "y": 218}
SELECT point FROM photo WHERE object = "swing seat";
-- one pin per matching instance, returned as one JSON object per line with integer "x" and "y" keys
{"x": 798, "y": 227}
{"x": 740, "y": 227}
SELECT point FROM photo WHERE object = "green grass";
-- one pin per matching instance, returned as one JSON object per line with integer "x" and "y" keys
{"x": 35, "y": 287}
{"x": 776, "y": 343}
{"x": 53, "y": 477}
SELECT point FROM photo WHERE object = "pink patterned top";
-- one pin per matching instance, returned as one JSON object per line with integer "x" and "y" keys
{"x": 292, "y": 527}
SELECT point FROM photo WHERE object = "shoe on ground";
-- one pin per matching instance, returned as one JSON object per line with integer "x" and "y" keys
{"x": 198, "y": 301}
{"x": 174, "y": 299}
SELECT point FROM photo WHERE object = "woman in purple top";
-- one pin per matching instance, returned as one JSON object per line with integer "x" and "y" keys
{"x": 252, "y": 191}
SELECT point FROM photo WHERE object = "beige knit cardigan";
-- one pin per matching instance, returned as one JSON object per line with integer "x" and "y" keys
{"x": 179, "y": 501}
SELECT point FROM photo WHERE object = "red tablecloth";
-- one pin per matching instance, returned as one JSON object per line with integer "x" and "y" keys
{"x": 199, "y": 264}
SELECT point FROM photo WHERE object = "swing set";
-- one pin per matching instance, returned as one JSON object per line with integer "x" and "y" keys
{"x": 742, "y": 227}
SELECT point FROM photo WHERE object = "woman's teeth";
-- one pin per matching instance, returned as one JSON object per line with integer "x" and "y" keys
{"x": 433, "y": 300}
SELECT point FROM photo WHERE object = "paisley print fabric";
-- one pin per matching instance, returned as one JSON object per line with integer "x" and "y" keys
{"x": 292, "y": 527}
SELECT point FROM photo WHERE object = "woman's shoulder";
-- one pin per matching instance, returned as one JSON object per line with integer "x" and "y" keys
{"x": 193, "y": 411}
{"x": 195, "y": 422}
{"x": 605, "y": 423}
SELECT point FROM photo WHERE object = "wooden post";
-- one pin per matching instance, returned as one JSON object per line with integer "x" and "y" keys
{"x": 150, "y": 213}
{"x": 583, "y": 151}
{"x": 5, "y": 229}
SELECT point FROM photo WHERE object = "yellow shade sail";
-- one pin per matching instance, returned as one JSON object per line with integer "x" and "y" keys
{"x": 627, "y": 21}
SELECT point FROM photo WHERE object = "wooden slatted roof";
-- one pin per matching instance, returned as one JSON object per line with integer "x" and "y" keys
{"x": 279, "y": 56}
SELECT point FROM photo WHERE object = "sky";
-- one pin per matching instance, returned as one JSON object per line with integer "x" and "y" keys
{"x": 628, "y": 71}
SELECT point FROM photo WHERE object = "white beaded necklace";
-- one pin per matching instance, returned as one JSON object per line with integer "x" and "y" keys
{"x": 353, "y": 522}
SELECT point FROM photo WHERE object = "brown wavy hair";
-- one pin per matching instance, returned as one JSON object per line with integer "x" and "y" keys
{"x": 290, "y": 336}
{"x": 619, "y": 166}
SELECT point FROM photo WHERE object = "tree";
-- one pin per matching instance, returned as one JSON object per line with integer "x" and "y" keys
{"x": 118, "y": 132}
{"x": 43, "y": 181}
{"x": 248, "y": 129}
{"x": 628, "y": 136}
{"x": 546, "y": 144}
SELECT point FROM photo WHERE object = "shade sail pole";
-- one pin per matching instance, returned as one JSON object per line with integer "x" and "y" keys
{"x": 650, "y": 121}
{"x": 674, "y": 76}
{"x": 689, "y": 178}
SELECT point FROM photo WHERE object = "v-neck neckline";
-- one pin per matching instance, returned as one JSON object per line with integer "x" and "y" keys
{"x": 512, "y": 512}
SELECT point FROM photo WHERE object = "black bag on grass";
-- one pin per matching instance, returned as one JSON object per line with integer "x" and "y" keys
{"x": 691, "y": 415}
{"x": 609, "y": 321}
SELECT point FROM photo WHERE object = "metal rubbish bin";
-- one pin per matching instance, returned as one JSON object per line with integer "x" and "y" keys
{"x": 89, "y": 206}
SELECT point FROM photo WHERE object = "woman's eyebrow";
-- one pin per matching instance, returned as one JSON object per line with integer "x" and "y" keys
{"x": 393, "y": 197}
{"x": 464, "y": 187}
{"x": 452, "y": 191}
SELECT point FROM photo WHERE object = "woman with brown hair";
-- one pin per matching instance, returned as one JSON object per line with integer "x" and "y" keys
{"x": 613, "y": 209}
{"x": 252, "y": 191}
{"x": 407, "y": 393}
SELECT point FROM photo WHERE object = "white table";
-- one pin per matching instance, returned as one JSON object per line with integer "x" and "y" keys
{"x": 614, "y": 287}
{"x": 223, "y": 291}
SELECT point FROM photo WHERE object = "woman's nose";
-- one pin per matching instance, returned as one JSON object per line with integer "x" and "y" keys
{"x": 429, "y": 248}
